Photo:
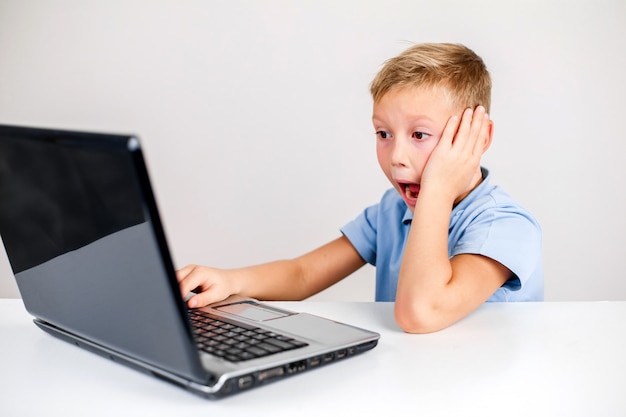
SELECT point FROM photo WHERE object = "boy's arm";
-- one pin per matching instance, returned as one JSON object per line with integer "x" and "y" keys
{"x": 293, "y": 279}
{"x": 435, "y": 291}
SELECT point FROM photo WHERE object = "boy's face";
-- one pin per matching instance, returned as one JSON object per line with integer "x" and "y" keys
{"x": 409, "y": 123}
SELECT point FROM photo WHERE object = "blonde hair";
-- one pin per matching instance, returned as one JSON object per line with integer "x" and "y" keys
{"x": 462, "y": 74}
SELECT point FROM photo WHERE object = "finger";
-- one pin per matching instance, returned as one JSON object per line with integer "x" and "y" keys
{"x": 191, "y": 281}
{"x": 449, "y": 131}
{"x": 198, "y": 300}
{"x": 483, "y": 135}
{"x": 203, "y": 299}
{"x": 476, "y": 132}
{"x": 462, "y": 134}
{"x": 184, "y": 271}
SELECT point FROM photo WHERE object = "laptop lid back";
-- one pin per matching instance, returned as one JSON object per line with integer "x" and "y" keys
{"x": 81, "y": 230}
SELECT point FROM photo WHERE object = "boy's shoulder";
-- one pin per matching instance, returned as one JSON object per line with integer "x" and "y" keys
{"x": 489, "y": 203}
{"x": 488, "y": 194}
{"x": 490, "y": 207}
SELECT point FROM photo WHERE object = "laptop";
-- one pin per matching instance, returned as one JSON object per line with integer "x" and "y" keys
{"x": 82, "y": 232}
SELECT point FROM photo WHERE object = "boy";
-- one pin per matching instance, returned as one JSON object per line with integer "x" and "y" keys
{"x": 443, "y": 240}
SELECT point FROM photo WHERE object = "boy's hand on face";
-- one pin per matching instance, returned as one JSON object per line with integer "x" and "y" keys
{"x": 454, "y": 162}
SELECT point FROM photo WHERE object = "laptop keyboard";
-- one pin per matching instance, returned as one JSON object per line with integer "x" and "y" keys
{"x": 237, "y": 342}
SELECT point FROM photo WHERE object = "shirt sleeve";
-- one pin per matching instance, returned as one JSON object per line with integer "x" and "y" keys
{"x": 361, "y": 232}
{"x": 508, "y": 235}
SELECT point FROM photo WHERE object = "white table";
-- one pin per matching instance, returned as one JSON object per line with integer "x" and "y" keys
{"x": 531, "y": 359}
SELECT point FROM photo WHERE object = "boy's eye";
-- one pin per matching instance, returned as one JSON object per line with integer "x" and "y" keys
{"x": 383, "y": 135}
{"x": 420, "y": 135}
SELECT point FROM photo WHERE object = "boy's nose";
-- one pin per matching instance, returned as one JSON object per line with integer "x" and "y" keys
{"x": 398, "y": 152}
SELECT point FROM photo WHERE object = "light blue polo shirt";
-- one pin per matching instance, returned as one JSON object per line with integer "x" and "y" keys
{"x": 486, "y": 222}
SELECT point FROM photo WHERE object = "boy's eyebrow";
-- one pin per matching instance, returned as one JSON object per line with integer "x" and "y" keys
{"x": 415, "y": 119}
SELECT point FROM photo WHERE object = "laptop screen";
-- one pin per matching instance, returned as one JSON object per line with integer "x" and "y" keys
{"x": 58, "y": 196}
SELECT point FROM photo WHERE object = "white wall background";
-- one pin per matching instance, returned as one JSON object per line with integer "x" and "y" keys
{"x": 255, "y": 115}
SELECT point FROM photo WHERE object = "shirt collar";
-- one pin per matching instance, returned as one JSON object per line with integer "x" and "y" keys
{"x": 408, "y": 217}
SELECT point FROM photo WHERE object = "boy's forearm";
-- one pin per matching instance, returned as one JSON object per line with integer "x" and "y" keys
{"x": 301, "y": 277}
{"x": 426, "y": 271}
{"x": 279, "y": 280}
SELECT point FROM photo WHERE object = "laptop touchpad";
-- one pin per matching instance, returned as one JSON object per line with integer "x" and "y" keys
{"x": 252, "y": 311}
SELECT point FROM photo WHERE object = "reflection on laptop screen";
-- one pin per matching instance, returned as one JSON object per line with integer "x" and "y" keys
{"x": 81, "y": 196}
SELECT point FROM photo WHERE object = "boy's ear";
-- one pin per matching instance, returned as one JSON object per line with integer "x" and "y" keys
{"x": 487, "y": 142}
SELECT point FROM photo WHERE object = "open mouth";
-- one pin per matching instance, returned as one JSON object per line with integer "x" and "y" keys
{"x": 411, "y": 191}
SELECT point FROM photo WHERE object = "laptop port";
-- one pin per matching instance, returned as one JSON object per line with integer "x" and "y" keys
{"x": 328, "y": 357}
{"x": 313, "y": 362}
{"x": 245, "y": 382}
{"x": 271, "y": 373}
{"x": 294, "y": 367}
{"x": 342, "y": 354}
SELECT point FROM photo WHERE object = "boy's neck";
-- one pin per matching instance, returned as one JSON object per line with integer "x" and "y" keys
{"x": 477, "y": 179}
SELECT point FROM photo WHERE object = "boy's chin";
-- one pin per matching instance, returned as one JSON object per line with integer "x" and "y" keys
{"x": 410, "y": 203}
